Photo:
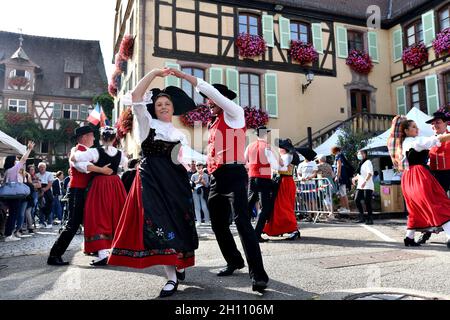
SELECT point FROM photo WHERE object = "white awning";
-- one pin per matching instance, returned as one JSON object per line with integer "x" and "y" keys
{"x": 10, "y": 146}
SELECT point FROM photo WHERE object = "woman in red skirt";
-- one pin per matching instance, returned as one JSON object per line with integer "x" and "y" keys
{"x": 427, "y": 203}
{"x": 283, "y": 218}
{"x": 157, "y": 226}
{"x": 105, "y": 199}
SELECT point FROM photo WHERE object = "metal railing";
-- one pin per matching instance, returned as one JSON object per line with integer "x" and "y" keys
{"x": 314, "y": 197}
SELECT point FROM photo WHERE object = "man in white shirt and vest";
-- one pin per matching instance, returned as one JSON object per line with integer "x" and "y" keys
{"x": 77, "y": 194}
{"x": 228, "y": 194}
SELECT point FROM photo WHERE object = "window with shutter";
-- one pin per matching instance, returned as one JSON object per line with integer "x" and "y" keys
{"x": 285, "y": 34}
{"x": 397, "y": 44}
{"x": 428, "y": 28}
{"x": 342, "y": 44}
{"x": 432, "y": 94}
{"x": 172, "y": 80}
{"x": 401, "y": 100}
{"x": 317, "y": 37}
{"x": 271, "y": 94}
{"x": 372, "y": 38}
{"x": 57, "y": 108}
{"x": 249, "y": 90}
{"x": 233, "y": 82}
{"x": 215, "y": 75}
{"x": 267, "y": 25}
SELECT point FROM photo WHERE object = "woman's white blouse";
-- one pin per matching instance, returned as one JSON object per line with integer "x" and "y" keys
{"x": 143, "y": 122}
{"x": 420, "y": 143}
{"x": 91, "y": 155}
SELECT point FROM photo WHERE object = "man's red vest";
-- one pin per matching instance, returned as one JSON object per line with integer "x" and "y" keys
{"x": 225, "y": 144}
{"x": 259, "y": 166}
{"x": 440, "y": 157}
{"x": 78, "y": 179}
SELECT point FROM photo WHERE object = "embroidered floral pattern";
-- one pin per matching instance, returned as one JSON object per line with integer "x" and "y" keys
{"x": 98, "y": 237}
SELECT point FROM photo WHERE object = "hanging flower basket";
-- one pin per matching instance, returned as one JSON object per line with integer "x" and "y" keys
{"x": 125, "y": 123}
{"x": 415, "y": 55}
{"x": 18, "y": 81}
{"x": 359, "y": 61}
{"x": 201, "y": 114}
{"x": 303, "y": 52}
{"x": 121, "y": 63}
{"x": 112, "y": 90}
{"x": 250, "y": 46}
{"x": 441, "y": 44}
{"x": 127, "y": 47}
{"x": 255, "y": 118}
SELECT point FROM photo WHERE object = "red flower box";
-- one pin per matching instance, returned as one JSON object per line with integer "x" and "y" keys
{"x": 255, "y": 118}
{"x": 127, "y": 47}
{"x": 303, "y": 52}
{"x": 18, "y": 81}
{"x": 441, "y": 44}
{"x": 250, "y": 46}
{"x": 359, "y": 61}
{"x": 125, "y": 123}
{"x": 415, "y": 55}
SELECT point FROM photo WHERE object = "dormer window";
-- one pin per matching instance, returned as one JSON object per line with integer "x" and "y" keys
{"x": 20, "y": 73}
{"x": 73, "y": 82}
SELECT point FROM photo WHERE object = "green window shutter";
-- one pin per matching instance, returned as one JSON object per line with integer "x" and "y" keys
{"x": 215, "y": 75}
{"x": 171, "y": 80}
{"x": 233, "y": 82}
{"x": 271, "y": 94}
{"x": 431, "y": 86}
{"x": 84, "y": 112}
{"x": 316, "y": 29}
{"x": 401, "y": 100}
{"x": 57, "y": 111}
{"x": 372, "y": 38}
{"x": 285, "y": 32}
{"x": 267, "y": 25}
{"x": 397, "y": 45}
{"x": 342, "y": 44}
{"x": 428, "y": 28}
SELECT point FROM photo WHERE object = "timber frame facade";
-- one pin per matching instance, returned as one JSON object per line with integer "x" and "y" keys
{"x": 200, "y": 35}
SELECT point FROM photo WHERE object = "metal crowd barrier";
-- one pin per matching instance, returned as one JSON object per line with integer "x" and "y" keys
{"x": 314, "y": 197}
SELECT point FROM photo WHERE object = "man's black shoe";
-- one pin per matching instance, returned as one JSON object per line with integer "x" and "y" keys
{"x": 56, "y": 261}
{"x": 424, "y": 237}
{"x": 259, "y": 285}
{"x": 228, "y": 270}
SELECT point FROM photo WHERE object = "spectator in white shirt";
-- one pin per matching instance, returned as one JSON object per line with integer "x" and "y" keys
{"x": 364, "y": 186}
{"x": 46, "y": 179}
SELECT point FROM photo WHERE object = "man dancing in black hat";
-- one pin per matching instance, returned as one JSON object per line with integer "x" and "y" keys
{"x": 228, "y": 194}
{"x": 76, "y": 193}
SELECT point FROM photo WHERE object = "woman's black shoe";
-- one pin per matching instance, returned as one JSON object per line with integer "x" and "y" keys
{"x": 448, "y": 243}
{"x": 181, "y": 275}
{"x": 294, "y": 235}
{"x": 102, "y": 262}
{"x": 410, "y": 242}
{"x": 168, "y": 293}
{"x": 424, "y": 237}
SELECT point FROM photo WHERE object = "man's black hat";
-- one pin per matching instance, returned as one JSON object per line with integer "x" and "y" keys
{"x": 440, "y": 115}
{"x": 307, "y": 153}
{"x": 261, "y": 130}
{"x": 81, "y": 131}
{"x": 223, "y": 89}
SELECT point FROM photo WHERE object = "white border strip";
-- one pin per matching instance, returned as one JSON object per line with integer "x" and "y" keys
{"x": 379, "y": 234}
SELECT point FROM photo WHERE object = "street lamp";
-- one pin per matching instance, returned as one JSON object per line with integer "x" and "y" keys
{"x": 309, "y": 79}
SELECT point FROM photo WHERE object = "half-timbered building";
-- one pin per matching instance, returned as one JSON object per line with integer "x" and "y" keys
{"x": 51, "y": 79}
{"x": 199, "y": 37}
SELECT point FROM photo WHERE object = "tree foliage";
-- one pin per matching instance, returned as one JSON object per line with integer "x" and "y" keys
{"x": 107, "y": 103}
{"x": 351, "y": 141}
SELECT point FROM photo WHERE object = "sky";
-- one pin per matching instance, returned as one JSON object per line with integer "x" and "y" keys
{"x": 79, "y": 19}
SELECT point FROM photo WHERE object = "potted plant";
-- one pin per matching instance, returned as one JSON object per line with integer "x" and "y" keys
{"x": 201, "y": 114}
{"x": 250, "y": 46}
{"x": 255, "y": 118}
{"x": 18, "y": 81}
{"x": 415, "y": 55}
{"x": 302, "y": 52}
{"x": 441, "y": 44}
{"x": 359, "y": 61}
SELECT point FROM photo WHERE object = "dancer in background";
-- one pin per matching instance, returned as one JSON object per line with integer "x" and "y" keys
{"x": 427, "y": 203}
{"x": 106, "y": 196}
{"x": 283, "y": 218}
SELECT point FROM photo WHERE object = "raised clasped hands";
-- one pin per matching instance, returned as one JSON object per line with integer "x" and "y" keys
{"x": 164, "y": 72}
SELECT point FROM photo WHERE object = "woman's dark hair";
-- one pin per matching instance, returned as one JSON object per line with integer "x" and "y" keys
{"x": 10, "y": 161}
{"x": 108, "y": 134}
{"x": 363, "y": 151}
{"x": 31, "y": 166}
{"x": 133, "y": 163}
{"x": 403, "y": 126}
{"x": 59, "y": 173}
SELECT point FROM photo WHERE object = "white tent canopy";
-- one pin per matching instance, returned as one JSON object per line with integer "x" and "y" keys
{"x": 414, "y": 114}
{"x": 380, "y": 141}
{"x": 325, "y": 148}
{"x": 10, "y": 146}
